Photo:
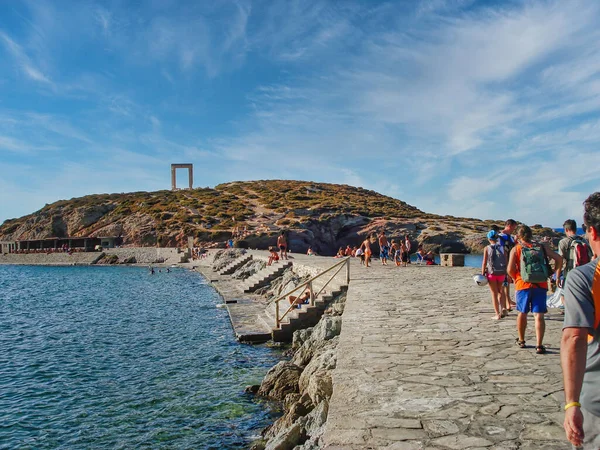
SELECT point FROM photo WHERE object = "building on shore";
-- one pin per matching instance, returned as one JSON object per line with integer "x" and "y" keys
{"x": 8, "y": 246}
{"x": 85, "y": 244}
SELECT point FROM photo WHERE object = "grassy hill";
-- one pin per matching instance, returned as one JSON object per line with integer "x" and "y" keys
{"x": 326, "y": 214}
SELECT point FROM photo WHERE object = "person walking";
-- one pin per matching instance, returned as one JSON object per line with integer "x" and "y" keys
{"x": 366, "y": 247}
{"x": 580, "y": 343}
{"x": 493, "y": 267}
{"x": 507, "y": 241}
{"x": 383, "y": 248}
{"x": 528, "y": 266}
{"x": 574, "y": 249}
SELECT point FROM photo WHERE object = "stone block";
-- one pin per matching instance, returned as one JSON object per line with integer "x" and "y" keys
{"x": 452, "y": 259}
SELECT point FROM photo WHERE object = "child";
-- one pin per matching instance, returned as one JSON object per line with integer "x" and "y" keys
{"x": 361, "y": 254}
{"x": 273, "y": 257}
{"x": 396, "y": 252}
{"x": 403, "y": 254}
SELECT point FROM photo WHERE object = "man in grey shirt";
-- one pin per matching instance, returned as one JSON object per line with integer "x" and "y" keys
{"x": 580, "y": 345}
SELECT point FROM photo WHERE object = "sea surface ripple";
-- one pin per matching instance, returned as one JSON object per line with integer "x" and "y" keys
{"x": 113, "y": 357}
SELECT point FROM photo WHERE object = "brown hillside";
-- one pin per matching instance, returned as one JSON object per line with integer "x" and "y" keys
{"x": 322, "y": 215}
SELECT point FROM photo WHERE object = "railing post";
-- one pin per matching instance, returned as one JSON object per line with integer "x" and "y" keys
{"x": 312, "y": 293}
{"x": 348, "y": 272}
{"x": 276, "y": 314}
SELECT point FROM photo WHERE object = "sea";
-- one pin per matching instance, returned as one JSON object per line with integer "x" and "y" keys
{"x": 471, "y": 260}
{"x": 117, "y": 358}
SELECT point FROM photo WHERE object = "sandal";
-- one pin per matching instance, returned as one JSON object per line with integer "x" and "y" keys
{"x": 504, "y": 313}
{"x": 540, "y": 349}
{"x": 521, "y": 344}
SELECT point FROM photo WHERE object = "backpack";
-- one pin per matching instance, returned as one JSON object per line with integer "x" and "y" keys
{"x": 534, "y": 265}
{"x": 579, "y": 252}
{"x": 506, "y": 241}
{"x": 496, "y": 263}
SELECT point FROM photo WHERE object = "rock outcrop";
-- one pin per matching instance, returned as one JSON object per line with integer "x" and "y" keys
{"x": 304, "y": 385}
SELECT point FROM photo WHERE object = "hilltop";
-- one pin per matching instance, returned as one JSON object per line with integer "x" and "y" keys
{"x": 323, "y": 215}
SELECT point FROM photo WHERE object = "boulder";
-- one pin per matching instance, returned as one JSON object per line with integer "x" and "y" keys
{"x": 316, "y": 377}
{"x": 300, "y": 337}
{"x": 296, "y": 407}
{"x": 316, "y": 419}
{"x": 323, "y": 336}
{"x": 250, "y": 268}
{"x": 280, "y": 380}
{"x": 287, "y": 439}
{"x": 224, "y": 257}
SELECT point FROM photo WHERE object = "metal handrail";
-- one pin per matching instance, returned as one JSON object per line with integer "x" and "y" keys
{"x": 309, "y": 284}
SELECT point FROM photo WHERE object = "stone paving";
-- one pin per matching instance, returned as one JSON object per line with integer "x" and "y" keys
{"x": 421, "y": 365}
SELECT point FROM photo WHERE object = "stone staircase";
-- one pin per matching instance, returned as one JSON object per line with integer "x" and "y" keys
{"x": 265, "y": 276}
{"x": 297, "y": 319}
{"x": 235, "y": 264}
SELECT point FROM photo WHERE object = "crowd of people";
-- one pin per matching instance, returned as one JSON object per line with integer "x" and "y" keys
{"x": 514, "y": 257}
{"x": 240, "y": 232}
{"x": 396, "y": 251}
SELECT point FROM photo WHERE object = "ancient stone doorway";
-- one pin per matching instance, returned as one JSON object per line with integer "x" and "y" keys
{"x": 174, "y": 167}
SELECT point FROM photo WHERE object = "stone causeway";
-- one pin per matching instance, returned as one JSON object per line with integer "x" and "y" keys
{"x": 421, "y": 365}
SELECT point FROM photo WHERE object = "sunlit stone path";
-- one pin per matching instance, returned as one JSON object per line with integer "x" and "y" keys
{"x": 422, "y": 365}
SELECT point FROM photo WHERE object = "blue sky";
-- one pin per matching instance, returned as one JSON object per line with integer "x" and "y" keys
{"x": 470, "y": 108}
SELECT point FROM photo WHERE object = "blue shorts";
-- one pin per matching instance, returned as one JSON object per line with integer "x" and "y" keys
{"x": 533, "y": 299}
{"x": 384, "y": 252}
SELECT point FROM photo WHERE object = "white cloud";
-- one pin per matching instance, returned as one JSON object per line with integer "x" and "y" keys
{"x": 441, "y": 103}
{"x": 25, "y": 64}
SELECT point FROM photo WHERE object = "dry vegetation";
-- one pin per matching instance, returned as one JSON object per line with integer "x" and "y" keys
{"x": 166, "y": 217}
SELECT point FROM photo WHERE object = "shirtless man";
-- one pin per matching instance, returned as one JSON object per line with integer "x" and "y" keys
{"x": 383, "y": 248}
{"x": 282, "y": 245}
{"x": 366, "y": 246}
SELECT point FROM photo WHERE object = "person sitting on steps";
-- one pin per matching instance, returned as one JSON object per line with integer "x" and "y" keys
{"x": 303, "y": 298}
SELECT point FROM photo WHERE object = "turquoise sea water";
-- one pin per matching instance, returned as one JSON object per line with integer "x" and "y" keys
{"x": 112, "y": 357}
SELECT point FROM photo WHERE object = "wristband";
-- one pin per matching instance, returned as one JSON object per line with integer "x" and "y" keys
{"x": 568, "y": 405}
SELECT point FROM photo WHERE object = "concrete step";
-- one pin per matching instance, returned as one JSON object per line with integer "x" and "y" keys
{"x": 304, "y": 317}
{"x": 235, "y": 264}
{"x": 264, "y": 276}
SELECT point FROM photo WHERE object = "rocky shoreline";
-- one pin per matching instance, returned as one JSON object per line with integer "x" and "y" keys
{"x": 302, "y": 385}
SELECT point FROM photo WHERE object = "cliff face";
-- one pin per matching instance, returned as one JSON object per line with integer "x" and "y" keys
{"x": 324, "y": 216}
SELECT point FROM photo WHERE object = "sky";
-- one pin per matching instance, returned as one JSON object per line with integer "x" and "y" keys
{"x": 469, "y": 108}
